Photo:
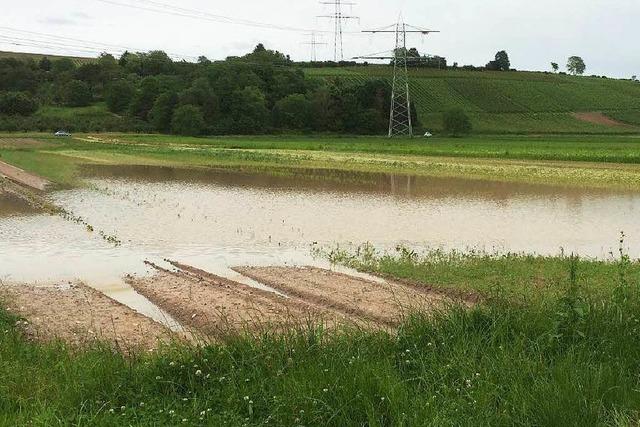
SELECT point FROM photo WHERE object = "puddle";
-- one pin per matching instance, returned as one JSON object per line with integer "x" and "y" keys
{"x": 215, "y": 220}
{"x": 11, "y": 205}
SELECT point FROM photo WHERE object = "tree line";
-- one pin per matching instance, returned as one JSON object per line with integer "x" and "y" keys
{"x": 261, "y": 92}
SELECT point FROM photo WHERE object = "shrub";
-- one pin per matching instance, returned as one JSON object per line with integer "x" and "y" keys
{"x": 17, "y": 104}
{"x": 77, "y": 94}
{"x": 187, "y": 120}
{"x": 118, "y": 96}
{"x": 456, "y": 122}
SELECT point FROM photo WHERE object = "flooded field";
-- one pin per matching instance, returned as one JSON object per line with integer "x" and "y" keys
{"x": 216, "y": 220}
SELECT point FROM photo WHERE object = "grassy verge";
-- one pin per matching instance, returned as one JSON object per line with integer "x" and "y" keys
{"x": 588, "y": 161}
{"x": 570, "y": 358}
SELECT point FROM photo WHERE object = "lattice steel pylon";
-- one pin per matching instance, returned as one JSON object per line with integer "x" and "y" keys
{"x": 313, "y": 43}
{"x": 400, "y": 113}
{"x": 338, "y": 18}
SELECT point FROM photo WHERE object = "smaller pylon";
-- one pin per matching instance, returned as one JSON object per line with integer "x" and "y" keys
{"x": 313, "y": 42}
{"x": 338, "y": 18}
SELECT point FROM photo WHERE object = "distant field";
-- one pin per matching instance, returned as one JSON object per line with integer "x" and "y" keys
{"x": 38, "y": 56}
{"x": 512, "y": 102}
{"x": 595, "y": 161}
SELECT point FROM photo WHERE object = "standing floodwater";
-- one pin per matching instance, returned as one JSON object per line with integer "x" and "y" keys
{"x": 220, "y": 219}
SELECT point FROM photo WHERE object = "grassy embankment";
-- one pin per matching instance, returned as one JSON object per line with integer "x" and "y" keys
{"x": 599, "y": 161}
{"x": 513, "y": 102}
{"x": 554, "y": 341}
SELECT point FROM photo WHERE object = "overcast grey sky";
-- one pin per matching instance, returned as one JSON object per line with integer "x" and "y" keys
{"x": 605, "y": 33}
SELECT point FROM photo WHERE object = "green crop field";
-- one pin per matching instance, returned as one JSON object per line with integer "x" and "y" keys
{"x": 512, "y": 102}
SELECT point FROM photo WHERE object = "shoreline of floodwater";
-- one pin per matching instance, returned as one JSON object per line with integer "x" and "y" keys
{"x": 593, "y": 163}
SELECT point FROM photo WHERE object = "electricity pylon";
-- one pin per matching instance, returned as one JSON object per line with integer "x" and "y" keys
{"x": 400, "y": 112}
{"x": 313, "y": 43}
{"x": 338, "y": 19}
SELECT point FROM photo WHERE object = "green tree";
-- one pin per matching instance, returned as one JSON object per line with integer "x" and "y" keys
{"x": 293, "y": 112}
{"x": 187, "y": 120}
{"x": 576, "y": 66}
{"x": 156, "y": 62}
{"x": 45, "y": 64}
{"x": 161, "y": 114}
{"x": 17, "y": 104}
{"x": 249, "y": 110}
{"x": 63, "y": 65}
{"x": 118, "y": 95}
{"x": 144, "y": 97}
{"x": 502, "y": 61}
{"x": 555, "y": 67}
{"x": 456, "y": 122}
{"x": 77, "y": 94}
{"x": 201, "y": 94}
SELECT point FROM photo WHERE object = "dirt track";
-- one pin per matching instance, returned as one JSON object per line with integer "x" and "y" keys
{"x": 20, "y": 143}
{"x": 599, "y": 118}
{"x": 383, "y": 303}
{"x": 22, "y": 177}
{"x": 80, "y": 315}
{"x": 216, "y": 306}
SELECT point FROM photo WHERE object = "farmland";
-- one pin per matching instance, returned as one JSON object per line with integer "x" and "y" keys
{"x": 597, "y": 161}
{"x": 317, "y": 276}
{"x": 512, "y": 102}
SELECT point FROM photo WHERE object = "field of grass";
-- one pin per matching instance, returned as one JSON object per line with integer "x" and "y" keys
{"x": 566, "y": 356}
{"x": 511, "y": 102}
{"x": 603, "y": 161}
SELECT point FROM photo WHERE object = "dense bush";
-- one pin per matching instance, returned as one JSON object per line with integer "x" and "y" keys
{"x": 456, "y": 122}
{"x": 188, "y": 120}
{"x": 77, "y": 94}
{"x": 118, "y": 95}
{"x": 17, "y": 103}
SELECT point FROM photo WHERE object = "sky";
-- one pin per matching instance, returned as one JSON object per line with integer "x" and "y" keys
{"x": 604, "y": 33}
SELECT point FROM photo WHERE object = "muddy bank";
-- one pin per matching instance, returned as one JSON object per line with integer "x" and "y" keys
{"x": 216, "y": 306}
{"x": 22, "y": 177}
{"x": 79, "y": 315}
{"x": 385, "y": 303}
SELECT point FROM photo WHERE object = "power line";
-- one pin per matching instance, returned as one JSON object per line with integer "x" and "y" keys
{"x": 338, "y": 18}
{"x": 164, "y": 8}
{"x": 46, "y": 41}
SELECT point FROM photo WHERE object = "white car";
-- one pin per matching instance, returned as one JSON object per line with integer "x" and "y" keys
{"x": 62, "y": 133}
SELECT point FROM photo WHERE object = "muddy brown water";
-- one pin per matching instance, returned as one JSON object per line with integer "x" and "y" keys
{"x": 216, "y": 220}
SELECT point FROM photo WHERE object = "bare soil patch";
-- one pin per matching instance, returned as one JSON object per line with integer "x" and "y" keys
{"x": 23, "y": 177}
{"x": 80, "y": 315}
{"x": 599, "y": 118}
{"x": 20, "y": 143}
{"x": 216, "y": 306}
{"x": 386, "y": 303}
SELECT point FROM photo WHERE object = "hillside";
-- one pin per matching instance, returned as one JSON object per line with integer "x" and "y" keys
{"x": 497, "y": 102}
{"x": 78, "y": 60}
{"x": 515, "y": 102}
